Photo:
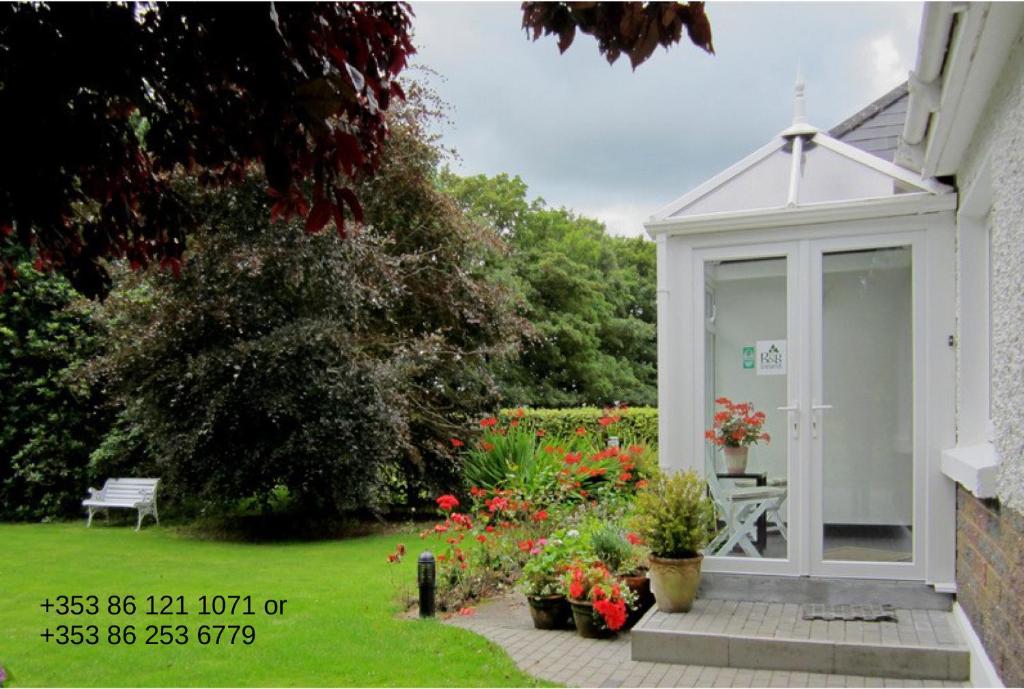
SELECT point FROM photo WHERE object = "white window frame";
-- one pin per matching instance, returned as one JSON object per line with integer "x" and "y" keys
{"x": 974, "y": 462}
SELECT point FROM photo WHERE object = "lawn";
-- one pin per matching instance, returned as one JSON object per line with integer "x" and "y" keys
{"x": 339, "y": 627}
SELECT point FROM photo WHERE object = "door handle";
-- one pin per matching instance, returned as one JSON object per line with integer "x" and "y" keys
{"x": 791, "y": 409}
{"x": 820, "y": 407}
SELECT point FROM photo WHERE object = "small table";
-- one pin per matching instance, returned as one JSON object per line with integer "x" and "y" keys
{"x": 761, "y": 480}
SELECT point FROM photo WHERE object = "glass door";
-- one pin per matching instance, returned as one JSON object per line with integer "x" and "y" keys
{"x": 750, "y": 384}
{"x": 865, "y": 455}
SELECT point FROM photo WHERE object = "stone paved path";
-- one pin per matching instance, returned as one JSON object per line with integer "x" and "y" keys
{"x": 565, "y": 658}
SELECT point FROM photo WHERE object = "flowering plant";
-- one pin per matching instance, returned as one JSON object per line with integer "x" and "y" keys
{"x": 549, "y": 559}
{"x": 594, "y": 583}
{"x": 736, "y": 424}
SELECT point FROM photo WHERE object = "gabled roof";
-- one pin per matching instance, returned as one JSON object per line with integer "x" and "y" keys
{"x": 803, "y": 175}
{"x": 876, "y": 129}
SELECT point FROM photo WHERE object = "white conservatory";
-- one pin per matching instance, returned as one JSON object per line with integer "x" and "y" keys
{"x": 815, "y": 280}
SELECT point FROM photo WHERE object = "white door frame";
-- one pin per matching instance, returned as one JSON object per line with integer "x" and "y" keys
{"x": 681, "y": 362}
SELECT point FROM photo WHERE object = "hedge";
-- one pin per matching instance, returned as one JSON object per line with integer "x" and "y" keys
{"x": 635, "y": 424}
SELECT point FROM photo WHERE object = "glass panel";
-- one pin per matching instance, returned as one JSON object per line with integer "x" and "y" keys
{"x": 868, "y": 434}
{"x": 745, "y": 361}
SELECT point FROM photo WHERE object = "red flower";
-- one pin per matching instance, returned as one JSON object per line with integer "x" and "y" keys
{"x": 401, "y": 549}
{"x": 642, "y": 483}
{"x": 457, "y": 443}
{"x": 482, "y": 538}
{"x": 447, "y": 502}
{"x": 634, "y": 539}
{"x": 495, "y": 504}
{"x": 486, "y": 446}
{"x": 489, "y": 422}
{"x": 625, "y": 476}
{"x": 514, "y": 423}
{"x": 489, "y": 529}
{"x": 540, "y": 516}
{"x": 541, "y": 433}
{"x": 581, "y": 431}
{"x": 636, "y": 449}
{"x": 607, "y": 420}
{"x": 573, "y": 457}
{"x": 525, "y": 545}
{"x": 520, "y": 413}
{"x": 613, "y": 612}
{"x": 474, "y": 491}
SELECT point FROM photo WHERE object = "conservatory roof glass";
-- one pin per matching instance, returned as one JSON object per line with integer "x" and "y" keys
{"x": 802, "y": 172}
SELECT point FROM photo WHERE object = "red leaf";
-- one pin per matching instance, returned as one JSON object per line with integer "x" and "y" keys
{"x": 353, "y": 204}
{"x": 319, "y": 216}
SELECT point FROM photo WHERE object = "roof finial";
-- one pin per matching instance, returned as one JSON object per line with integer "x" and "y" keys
{"x": 799, "y": 107}
{"x": 800, "y": 127}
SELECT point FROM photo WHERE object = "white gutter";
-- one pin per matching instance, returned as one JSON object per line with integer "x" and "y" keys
{"x": 924, "y": 78}
{"x": 945, "y": 107}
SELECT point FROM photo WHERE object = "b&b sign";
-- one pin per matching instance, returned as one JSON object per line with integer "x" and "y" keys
{"x": 771, "y": 357}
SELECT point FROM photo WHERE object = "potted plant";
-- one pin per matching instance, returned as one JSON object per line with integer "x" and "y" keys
{"x": 622, "y": 555}
{"x": 541, "y": 578}
{"x": 736, "y": 427}
{"x": 600, "y": 604}
{"x": 676, "y": 520}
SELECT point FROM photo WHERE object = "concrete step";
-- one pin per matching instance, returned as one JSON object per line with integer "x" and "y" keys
{"x": 915, "y": 595}
{"x": 922, "y": 644}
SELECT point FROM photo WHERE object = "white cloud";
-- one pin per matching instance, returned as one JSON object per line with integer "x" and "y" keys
{"x": 620, "y": 219}
{"x": 889, "y": 67}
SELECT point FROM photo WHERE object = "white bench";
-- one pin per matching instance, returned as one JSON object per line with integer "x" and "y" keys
{"x": 124, "y": 493}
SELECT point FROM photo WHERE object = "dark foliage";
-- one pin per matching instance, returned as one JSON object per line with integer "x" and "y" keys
{"x": 104, "y": 102}
{"x": 633, "y": 28}
{"x": 335, "y": 370}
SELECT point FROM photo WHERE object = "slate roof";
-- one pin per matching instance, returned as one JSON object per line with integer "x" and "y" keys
{"x": 877, "y": 128}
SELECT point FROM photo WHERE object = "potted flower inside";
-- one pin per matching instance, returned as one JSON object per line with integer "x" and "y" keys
{"x": 676, "y": 520}
{"x": 600, "y": 604}
{"x": 623, "y": 555}
{"x": 736, "y": 427}
{"x": 541, "y": 578}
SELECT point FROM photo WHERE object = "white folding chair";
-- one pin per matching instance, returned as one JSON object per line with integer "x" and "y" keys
{"x": 741, "y": 507}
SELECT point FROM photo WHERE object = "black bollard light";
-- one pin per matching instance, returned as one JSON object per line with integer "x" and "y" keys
{"x": 426, "y": 576}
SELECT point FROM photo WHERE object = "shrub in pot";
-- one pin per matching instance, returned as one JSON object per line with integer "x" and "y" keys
{"x": 600, "y": 603}
{"x": 541, "y": 578}
{"x": 676, "y": 520}
{"x": 622, "y": 553}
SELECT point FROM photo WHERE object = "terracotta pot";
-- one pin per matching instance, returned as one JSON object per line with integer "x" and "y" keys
{"x": 586, "y": 625}
{"x": 639, "y": 584}
{"x": 550, "y": 612}
{"x": 736, "y": 459}
{"x": 675, "y": 582}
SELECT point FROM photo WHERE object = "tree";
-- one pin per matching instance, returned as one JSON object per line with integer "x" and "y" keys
{"x": 589, "y": 297}
{"x": 634, "y": 28}
{"x": 104, "y": 102}
{"x": 51, "y": 420}
{"x": 333, "y": 368}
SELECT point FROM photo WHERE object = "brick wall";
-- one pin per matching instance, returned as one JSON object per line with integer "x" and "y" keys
{"x": 990, "y": 579}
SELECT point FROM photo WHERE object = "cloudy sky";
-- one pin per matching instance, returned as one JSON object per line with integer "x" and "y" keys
{"x": 616, "y": 144}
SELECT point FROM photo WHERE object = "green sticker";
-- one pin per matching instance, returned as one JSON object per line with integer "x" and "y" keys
{"x": 748, "y": 357}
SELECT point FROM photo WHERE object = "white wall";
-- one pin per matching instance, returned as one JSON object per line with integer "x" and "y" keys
{"x": 999, "y": 140}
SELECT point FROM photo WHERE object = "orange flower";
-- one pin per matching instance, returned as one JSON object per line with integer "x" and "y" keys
{"x": 581, "y": 431}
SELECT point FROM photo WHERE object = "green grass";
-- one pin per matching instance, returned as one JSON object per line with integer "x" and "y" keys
{"x": 340, "y": 626}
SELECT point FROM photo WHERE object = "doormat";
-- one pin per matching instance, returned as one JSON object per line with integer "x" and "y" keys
{"x": 865, "y": 613}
